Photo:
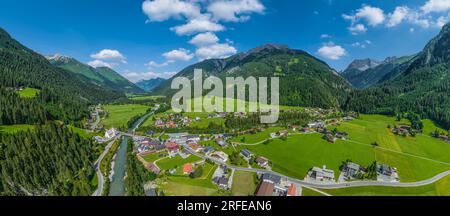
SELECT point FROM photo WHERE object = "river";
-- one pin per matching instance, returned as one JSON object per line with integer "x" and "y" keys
{"x": 118, "y": 183}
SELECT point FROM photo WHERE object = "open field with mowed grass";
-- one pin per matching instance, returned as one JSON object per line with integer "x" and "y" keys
{"x": 416, "y": 159}
{"x": 185, "y": 186}
{"x": 175, "y": 162}
{"x": 439, "y": 188}
{"x": 243, "y": 184}
{"x": 145, "y": 98}
{"x": 119, "y": 115}
{"x": 256, "y": 138}
{"x": 15, "y": 128}
{"x": 29, "y": 92}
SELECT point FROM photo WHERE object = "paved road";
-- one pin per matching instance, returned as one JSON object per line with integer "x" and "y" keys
{"x": 100, "y": 176}
{"x": 328, "y": 186}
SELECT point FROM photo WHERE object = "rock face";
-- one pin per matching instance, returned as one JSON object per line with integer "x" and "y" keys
{"x": 363, "y": 64}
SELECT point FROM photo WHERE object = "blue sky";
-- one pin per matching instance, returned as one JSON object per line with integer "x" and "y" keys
{"x": 144, "y": 39}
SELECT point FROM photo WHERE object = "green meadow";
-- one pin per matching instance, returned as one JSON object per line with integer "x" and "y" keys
{"x": 243, "y": 184}
{"x": 439, "y": 188}
{"x": 175, "y": 162}
{"x": 29, "y": 92}
{"x": 15, "y": 128}
{"x": 119, "y": 115}
{"x": 416, "y": 158}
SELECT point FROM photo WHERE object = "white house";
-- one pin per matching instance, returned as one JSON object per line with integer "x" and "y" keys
{"x": 111, "y": 133}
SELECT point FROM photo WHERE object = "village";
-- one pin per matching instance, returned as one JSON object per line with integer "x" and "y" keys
{"x": 221, "y": 152}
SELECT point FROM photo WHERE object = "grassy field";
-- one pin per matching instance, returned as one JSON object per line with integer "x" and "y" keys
{"x": 440, "y": 188}
{"x": 29, "y": 92}
{"x": 416, "y": 158}
{"x": 243, "y": 184}
{"x": 15, "y": 128}
{"x": 175, "y": 162}
{"x": 255, "y": 138}
{"x": 309, "y": 192}
{"x": 185, "y": 186}
{"x": 155, "y": 156}
{"x": 119, "y": 115}
{"x": 145, "y": 98}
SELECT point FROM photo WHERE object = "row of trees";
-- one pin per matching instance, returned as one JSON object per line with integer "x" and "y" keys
{"x": 137, "y": 175}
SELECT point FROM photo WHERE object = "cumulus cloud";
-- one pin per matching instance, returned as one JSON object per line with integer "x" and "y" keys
{"x": 153, "y": 64}
{"x": 396, "y": 17}
{"x": 215, "y": 51}
{"x": 331, "y": 51}
{"x": 179, "y": 55}
{"x": 204, "y": 39}
{"x": 374, "y": 16}
{"x": 197, "y": 25}
{"x": 98, "y": 63}
{"x": 234, "y": 10}
{"x": 357, "y": 29}
{"x": 108, "y": 54}
{"x": 436, "y": 6}
{"x": 161, "y": 10}
{"x": 136, "y": 76}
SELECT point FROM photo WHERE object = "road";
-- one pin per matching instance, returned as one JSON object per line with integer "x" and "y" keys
{"x": 327, "y": 186}
{"x": 100, "y": 176}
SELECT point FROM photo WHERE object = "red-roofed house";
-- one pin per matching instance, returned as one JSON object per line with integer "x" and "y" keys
{"x": 187, "y": 169}
{"x": 171, "y": 146}
{"x": 292, "y": 190}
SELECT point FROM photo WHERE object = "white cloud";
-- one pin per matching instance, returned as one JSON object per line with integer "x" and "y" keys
{"x": 215, "y": 51}
{"x": 161, "y": 10}
{"x": 204, "y": 39}
{"x": 436, "y": 6}
{"x": 179, "y": 55}
{"x": 136, "y": 76}
{"x": 153, "y": 64}
{"x": 357, "y": 29}
{"x": 373, "y": 15}
{"x": 234, "y": 10}
{"x": 99, "y": 63}
{"x": 332, "y": 51}
{"x": 325, "y": 36}
{"x": 203, "y": 24}
{"x": 108, "y": 54}
{"x": 400, "y": 13}
{"x": 359, "y": 45}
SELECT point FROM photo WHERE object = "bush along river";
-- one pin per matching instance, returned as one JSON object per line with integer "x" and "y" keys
{"x": 118, "y": 181}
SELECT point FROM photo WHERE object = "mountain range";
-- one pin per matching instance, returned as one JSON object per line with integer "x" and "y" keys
{"x": 101, "y": 76}
{"x": 304, "y": 79}
{"x": 151, "y": 84}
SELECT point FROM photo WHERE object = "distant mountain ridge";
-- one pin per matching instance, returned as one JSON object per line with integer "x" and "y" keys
{"x": 304, "y": 79}
{"x": 151, "y": 84}
{"x": 366, "y": 73}
{"x": 101, "y": 76}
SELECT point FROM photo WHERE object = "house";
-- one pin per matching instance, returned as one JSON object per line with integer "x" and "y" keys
{"x": 111, "y": 133}
{"x": 295, "y": 127}
{"x": 150, "y": 133}
{"x": 222, "y": 182}
{"x": 222, "y": 156}
{"x": 209, "y": 150}
{"x": 342, "y": 135}
{"x": 386, "y": 170}
{"x": 193, "y": 138}
{"x": 262, "y": 161}
{"x": 330, "y": 138}
{"x": 348, "y": 118}
{"x": 284, "y": 133}
{"x": 196, "y": 147}
{"x": 246, "y": 153}
{"x": 198, "y": 119}
{"x": 221, "y": 142}
{"x": 265, "y": 189}
{"x": 317, "y": 124}
{"x": 153, "y": 168}
{"x": 187, "y": 169}
{"x": 292, "y": 190}
{"x": 351, "y": 169}
{"x": 171, "y": 147}
{"x": 321, "y": 174}
{"x": 270, "y": 178}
